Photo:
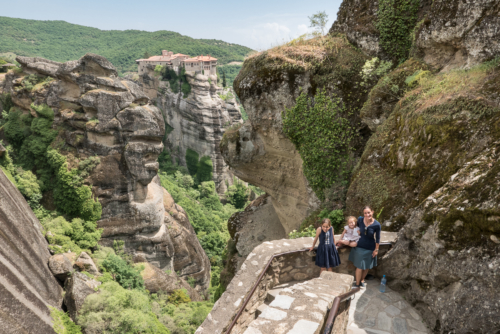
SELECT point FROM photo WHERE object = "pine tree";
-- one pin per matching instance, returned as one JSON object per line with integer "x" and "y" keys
{"x": 224, "y": 79}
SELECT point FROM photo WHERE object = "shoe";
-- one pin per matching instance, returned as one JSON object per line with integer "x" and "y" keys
{"x": 362, "y": 284}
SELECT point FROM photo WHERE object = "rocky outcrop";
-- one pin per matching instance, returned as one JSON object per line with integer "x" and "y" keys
{"x": 27, "y": 286}
{"x": 60, "y": 266}
{"x": 449, "y": 34}
{"x": 86, "y": 263}
{"x": 432, "y": 169}
{"x": 156, "y": 280}
{"x": 99, "y": 114}
{"x": 268, "y": 84}
{"x": 190, "y": 260}
{"x": 78, "y": 286}
{"x": 198, "y": 121}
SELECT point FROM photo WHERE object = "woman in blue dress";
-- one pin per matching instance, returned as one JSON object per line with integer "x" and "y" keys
{"x": 327, "y": 256}
{"x": 364, "y": 256}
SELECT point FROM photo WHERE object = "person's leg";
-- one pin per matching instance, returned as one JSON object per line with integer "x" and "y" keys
{"x": 365, "y": 272}
{"x": 322, "y": 269}
{"x": 359, "y": 272}
{"x": 330, "y": 269}
{"x": 353, "y": 244}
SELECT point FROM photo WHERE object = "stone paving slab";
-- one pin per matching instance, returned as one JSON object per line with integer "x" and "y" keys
{"x": 373, "y": 312}
{"x": 300, "y": 307}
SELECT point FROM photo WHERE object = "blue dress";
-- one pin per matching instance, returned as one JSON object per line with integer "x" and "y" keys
{"x": 326, "y": 255}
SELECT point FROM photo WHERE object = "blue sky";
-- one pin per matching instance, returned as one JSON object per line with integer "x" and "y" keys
{"x": 258, "y": 24}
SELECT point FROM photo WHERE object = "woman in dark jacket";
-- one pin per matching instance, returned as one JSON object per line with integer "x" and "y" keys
{"x": 364, "y": 256}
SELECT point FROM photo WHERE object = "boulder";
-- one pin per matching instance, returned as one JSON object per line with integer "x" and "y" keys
{"x": 87, "y": 263}
{"x": 60, "y": 266}
{"x": 78, "y": 287}
{"x": 156, "y": 280}
{"x": 27, "y": 285}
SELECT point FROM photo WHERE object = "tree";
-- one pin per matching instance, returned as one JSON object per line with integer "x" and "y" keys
{"x": 237, "y": 194}
{"x": 224, "y": 79}
{"x": 318, "y": 21}
{"x": 146, "y": 55}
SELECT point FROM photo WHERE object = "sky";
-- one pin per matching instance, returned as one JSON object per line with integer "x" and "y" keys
{"x": 258, "y": 24}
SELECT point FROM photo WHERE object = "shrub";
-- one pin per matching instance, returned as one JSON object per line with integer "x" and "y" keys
{"x": 178, "y": 297}
{"x": 76, "y": 235}
{"x": 396, "y": 21}
{"x": 322, "y": 134}
{"x": 27, "y": 183}
{"x": 192, "y": 158}
{"x": 309, "y": 231}
{"x": 122, "y": 272}
{"x": 62, "y": 322}
{"x": 117, "y": 310}
{"x": 237, "y": 194}
{"x": 205, "y": 168}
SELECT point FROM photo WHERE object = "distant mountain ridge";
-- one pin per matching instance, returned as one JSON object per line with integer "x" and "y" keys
{"x": 63, "y": 41}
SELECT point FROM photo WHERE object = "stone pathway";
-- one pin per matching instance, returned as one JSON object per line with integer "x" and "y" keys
{"x": 373, "y": 312}
{"x": 299, "y": 307}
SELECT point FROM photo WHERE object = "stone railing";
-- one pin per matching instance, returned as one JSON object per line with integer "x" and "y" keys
{"x": 298, "y": 266}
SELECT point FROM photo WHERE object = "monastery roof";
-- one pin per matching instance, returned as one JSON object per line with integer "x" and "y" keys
{"x": 199, "y": 58}
{"x": 163, "y": 58}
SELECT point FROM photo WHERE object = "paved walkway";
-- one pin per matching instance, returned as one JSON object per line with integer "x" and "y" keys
{"x": 373, "y": 312}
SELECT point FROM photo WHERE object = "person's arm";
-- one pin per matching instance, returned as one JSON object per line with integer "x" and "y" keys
{"x": 318, "y": 231}
{"x": 333, "y": 235}
{"x": 342, "y": 235}
{"x": 377, "y": 242}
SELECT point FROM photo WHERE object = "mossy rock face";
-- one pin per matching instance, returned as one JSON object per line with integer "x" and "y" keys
{"x": 387, "y": 92}
{"x": 329, "y": 62}
{"x": 429, "y": 137}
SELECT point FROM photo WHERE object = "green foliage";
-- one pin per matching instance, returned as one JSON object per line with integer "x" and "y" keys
{"x": 229, "y": 72}
{"x": 318, "y": 21}
{"x": 182, "y": 319}
{"x": 62, "y": 323}
{"x": 192, "y": 158}
{"x": 118, "y": 310}
{"x": 214, "y": 244}
{"x": 62, "y": 41}
{"x": 166, "y": 162}
{"x": 396, "y": 21}
{"x": 237, "y": 194}
{"x": 321, "y": 132}
{"x": 76, "y": 235}
{"x": 309, "y": 231}
{"x": 27, "y": 183}
{"x": 127, "y": 276}
{"x": 224, "y": 83}
{"x": 244, "y": 114}
{"x": 415, "y": 78}
{"x": 70, "y": 195}
{"x": 205, "y": 168}
{"x": 158, "y": 70}
{"x": 178, "y": 297}
{"x": 6, "y": 102}
{"x": 336, "y": 217}
{"x": 374, "y": 69}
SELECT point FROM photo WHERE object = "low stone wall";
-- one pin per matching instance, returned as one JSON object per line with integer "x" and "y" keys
{"x": 299, "y": 266}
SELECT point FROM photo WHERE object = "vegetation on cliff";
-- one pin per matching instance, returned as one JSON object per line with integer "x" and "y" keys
{"x": 438, "y": 116}
{"x": 62, "y": 41}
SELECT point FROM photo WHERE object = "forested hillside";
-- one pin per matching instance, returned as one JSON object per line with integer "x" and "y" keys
{"x": 63, "y": 41}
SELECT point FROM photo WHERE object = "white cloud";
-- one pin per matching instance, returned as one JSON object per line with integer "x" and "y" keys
{"x": 303, "y": 29}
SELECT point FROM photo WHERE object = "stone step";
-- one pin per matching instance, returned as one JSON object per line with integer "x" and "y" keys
{"x": 299, "y": 307}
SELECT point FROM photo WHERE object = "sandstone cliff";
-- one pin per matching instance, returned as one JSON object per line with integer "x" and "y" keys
{"x": 197, "y": 121}
{"x": 27, "y": 286}
{"x": 98, "y": 114}
{"x": 268, "y": 84}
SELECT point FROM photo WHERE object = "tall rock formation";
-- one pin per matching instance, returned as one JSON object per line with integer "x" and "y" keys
{"x": 27, "y": 287}
{"x": 431, "y": 163}
{"x": 197, "y": 121}
{"x": 268, "y": 84}
{"x": 99, "y": 114}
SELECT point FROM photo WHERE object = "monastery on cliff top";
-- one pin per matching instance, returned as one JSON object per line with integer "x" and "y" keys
{"x": 206, "y": 63}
